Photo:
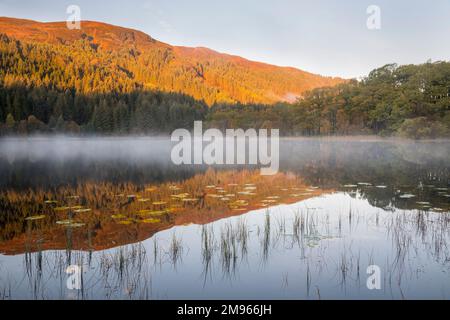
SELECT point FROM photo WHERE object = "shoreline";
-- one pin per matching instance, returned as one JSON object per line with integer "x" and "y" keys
{"x": 369, "y": 138}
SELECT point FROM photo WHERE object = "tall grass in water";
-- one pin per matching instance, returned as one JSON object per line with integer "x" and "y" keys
{"x": 175, "y": 250}
{"x": 207, "y": 246}
{"x": 228, "y": 249}
{"x": 242, "y": 236}
{"x": 125, "y": 271}
{"x": 266, "y": 237}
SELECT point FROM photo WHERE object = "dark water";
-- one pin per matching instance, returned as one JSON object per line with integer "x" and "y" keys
{"x": 377, "y": 203}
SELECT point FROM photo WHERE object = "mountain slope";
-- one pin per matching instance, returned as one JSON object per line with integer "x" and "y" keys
{"x": 105, "y": 58}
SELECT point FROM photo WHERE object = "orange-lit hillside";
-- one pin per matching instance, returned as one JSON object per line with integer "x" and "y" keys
{"x": 130, "y": 60}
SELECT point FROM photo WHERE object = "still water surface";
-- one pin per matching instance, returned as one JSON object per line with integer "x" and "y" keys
{"x": 142, "y": 228}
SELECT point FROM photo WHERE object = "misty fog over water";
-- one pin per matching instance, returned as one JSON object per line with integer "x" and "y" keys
{"x": 58, "y": 160}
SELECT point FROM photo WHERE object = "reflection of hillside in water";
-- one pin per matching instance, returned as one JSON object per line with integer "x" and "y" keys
{"x": 390, "y": 174}
{"x": 95, "y": 216}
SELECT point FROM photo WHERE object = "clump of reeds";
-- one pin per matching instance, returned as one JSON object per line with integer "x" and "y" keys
{"x": 175, "y": 250}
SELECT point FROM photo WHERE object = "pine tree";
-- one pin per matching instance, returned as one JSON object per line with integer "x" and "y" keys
{"x": 10, "y": 122}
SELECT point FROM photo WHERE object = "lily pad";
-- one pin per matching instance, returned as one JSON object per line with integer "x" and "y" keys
{"x": 268, "y": 201}
{"x": 32, "y": 218}
{"x": 190, "y": 200}
{"x": 64, "y": 222}
{"x": 82, "y": 210}
{"x": 247, "y": 193}
{"x": 240, "y": 203}
{"x": 75, "y": 225}
{"x": 213, "y": 195}
{"x": 125, "y": 222}
{"x": 152, "y": 212}
{"x": 406, "y": 196}
{"x": 118, "y": 216}
{"x": 61, "y": 208}
{"x": 151, "y": 220}
{"x": 180, "y": 196}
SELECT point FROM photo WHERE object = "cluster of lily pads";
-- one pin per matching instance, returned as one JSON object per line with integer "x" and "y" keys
{"x": 157, "y": 208}
{"x": 66, "y": 222}
{"x": 233, "y": 196}
{"x": 155, "y": 203}
{"x": 245, "y": 196}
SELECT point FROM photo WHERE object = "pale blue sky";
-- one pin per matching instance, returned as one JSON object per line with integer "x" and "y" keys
{"x": 329, "y": 37}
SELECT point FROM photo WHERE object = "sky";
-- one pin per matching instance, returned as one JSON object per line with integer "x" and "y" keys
{"x": 328, "y": 37}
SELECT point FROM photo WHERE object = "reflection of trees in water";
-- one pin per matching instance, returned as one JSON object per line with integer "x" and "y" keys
{"x": 24, "y": 174}
{"x": 397, "y": 165}
{"x": 94, "y": 216}
{"x": 337, "y": 163}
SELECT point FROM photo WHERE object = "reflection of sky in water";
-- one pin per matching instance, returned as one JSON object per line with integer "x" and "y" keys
{"x": 341, "y": 235}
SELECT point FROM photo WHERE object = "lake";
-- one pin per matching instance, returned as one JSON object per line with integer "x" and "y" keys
{"x": 114, "y": 218}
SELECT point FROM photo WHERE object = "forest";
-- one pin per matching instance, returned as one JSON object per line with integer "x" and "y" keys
{"x": 409, "y": 101}
{"x": 77, "y": 89}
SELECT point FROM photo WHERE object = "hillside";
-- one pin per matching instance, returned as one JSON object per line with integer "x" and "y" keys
{"x": 107, "y": 58}
{"x": 111, "y": 80}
